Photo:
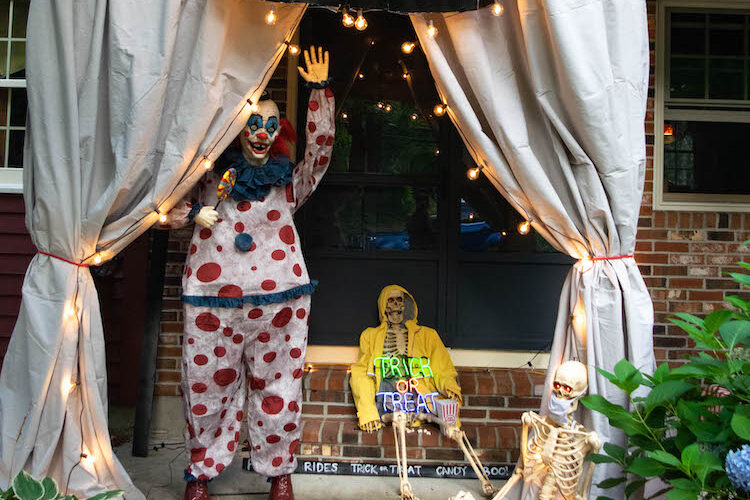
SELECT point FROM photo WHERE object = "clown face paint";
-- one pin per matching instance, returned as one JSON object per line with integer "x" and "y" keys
{"x": 261, "y": 130}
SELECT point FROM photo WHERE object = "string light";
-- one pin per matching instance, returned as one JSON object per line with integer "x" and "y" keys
{"x": 439, "y": 109}
{"x": 207, "y": 163}
{"x": 97, "y": 259}
{"x": 437, "y": 152}
{"x": 585, "y": 264}
{"x": 70, "y": 311}
{"x": 254, "y": 108}
{"x": 271, "y": 17}
{"x": 432, "y": 31}
{"x": 579, "y": 320}
{"x": 162, "y": 218}
{"x": 497, "y": 9}
{"x": 408, "y": 47}
{"x": 68, "y": 387}
{"x": 504, "y": 233}
{"x": 380, "y": 105}
{"x": 344, "y": 115}
{"x": 87, "y": 460}
{"x": 473, "y": 173}
{"x": 404, "y": 75}
{"x": 524, "y": 227}
{"x": 293, "y": 49}
{"x": 347, "y": 19}
{"x": 388, "y": 108}
{"x": 414, "y": 117}
{"x": 361, "y": 76}
{"x": 361, "y": 22}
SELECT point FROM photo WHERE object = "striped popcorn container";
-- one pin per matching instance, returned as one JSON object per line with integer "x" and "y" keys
{"x": 718, "y": 392}
{"x": 447, "y": 410}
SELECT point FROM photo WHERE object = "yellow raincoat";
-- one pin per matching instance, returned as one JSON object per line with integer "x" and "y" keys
{"x": 423, "y": 342}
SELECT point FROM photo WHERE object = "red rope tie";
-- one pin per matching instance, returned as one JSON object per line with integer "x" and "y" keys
{"x": 63, "y": 259}
{"x": 614, "y": 257}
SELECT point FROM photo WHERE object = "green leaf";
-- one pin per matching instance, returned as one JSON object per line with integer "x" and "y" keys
{"x": 735, "y": 332}
{"x": 615, "y": 451}
{"x": 738, "y": 302}
{"x": 601, "y": 459}
{"x": 690, "y": 319}
{"x": 714, "y": 320}
{"x": 679, "y": 494}
{"x": 743, "y": 279}
{"x": 634, "y": 486}
{"x": 646, "y": 467}
{"x": 107, "y": 495}
{"x": 666, "y": 391}
{"x": 741, "y": 421}
{"x": 705, "y": 465}
{"x": 693, "y": 330}
{"x": 26, "y": 487}
{"x": 50, "y": 489}
{"x": 665, "y": 458}
{"x": 611, "y": 482}
{"x": 690, "y": 455}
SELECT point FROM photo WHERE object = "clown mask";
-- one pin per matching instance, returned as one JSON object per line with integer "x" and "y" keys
{"x": 261, "y": 130}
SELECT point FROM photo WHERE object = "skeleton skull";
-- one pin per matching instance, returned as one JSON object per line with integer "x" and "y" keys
{"x": 571, "y": 379}
{"x": 259, "y": 133}
{"x": 394, "y": 307}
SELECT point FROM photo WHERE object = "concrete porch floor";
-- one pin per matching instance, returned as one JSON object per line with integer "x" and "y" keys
{"x": 159, "y": 477}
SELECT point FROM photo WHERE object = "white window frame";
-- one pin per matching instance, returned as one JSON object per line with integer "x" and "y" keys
{"x": 11, "y": 178}
{"x": 688, "y": 201}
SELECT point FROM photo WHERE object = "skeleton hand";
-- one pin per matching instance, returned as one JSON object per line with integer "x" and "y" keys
{"x": 371, "y": 426}
{"x": 453, "y": 395}
{"x": 317, "y": 67}
{"x": 206, "y": 217}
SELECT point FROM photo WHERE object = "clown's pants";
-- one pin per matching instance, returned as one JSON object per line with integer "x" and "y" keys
{"x": 229, "y": 354}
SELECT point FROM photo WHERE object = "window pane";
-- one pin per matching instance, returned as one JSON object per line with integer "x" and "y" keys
{"x": 688, "y": 17}
{"x": 687, "y": 77}
{"x": 727, "y": 42}
{"x": 20, "y": 14}
{"x": 15, "y": 148}
{"x": 726, "y": 79}
{"x": 18, "y": 106}
{"x": 4, "y": 11}
{"x": 18, "y": 60}
{"x": 688, "y": 41}
{"x": 707, "y": 157}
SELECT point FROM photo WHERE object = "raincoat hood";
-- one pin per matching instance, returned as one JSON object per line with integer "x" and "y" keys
{"x": 410, "y": 305}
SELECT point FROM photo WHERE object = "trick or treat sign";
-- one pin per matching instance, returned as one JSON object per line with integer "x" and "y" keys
{"x": 400, "y": 376}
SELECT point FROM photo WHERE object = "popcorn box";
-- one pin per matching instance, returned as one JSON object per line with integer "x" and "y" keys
{"x": 447, "y": 411}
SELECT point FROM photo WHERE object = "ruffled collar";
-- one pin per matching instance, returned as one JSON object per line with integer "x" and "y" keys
{"x": 254, "y": 183}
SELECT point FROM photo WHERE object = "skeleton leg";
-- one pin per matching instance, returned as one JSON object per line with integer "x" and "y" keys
{"x": 508, "y": 485}
{"x": 459, "y": 437}
{"x": 399, "y": 434}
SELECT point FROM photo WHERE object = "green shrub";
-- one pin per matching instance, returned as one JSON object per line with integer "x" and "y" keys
{"x": 25, "y": 487}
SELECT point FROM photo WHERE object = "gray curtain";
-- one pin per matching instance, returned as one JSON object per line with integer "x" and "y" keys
{"x": 550, "y": 100}
{"x": 126, "y": 98}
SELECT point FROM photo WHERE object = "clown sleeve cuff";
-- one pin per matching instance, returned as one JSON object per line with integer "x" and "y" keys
{"x": 319, "y": 85}
{"x": 194, "y": 211}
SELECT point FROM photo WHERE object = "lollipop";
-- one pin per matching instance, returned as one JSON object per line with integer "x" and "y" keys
{"x": 226, "y": 184}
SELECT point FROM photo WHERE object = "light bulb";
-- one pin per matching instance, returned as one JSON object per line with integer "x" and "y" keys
{"x": 293, "y": 49}
{"x": 87, "y": 460}
{"x": 585, "y": 264}
{"x": 347, "y": 19}
{"x": 271, "y": 16}
{"x": 473, "y": 173}
{"x": 361, "y": 22}
{"x": 254, "y": 108}
{"x": 439, "y": 109}
{"x": 524, "y": 227}
{"x": 344, "y": 115}
{"x": 408, "y": 47}
{"x": 70, "y": 311}
{"x": 97, "y": 259}
{"x": 380, "y": 105}
{"x": 388, "y": 108}
{"x": 404, "y": 75}
{"x": 431, "y": 30}
{"x": 437, "y": 152}
{"x": 361, "y": 76}
{"x": 68, "y": 387}
{"x": 414, "y": 117}
{"x": 162, "y": 218}
{"x": 504, "y": 233}
{"x": 497, "y": 9}
{"x": 207, "y": 164}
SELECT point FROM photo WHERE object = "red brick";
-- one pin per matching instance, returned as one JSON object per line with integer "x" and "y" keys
{"x": 311, "y": 431}
{"x": 330, "y": 432}
{"x": 162, "y": 376}
{"x": 514, "y": 415}
{"x": 685, "y": 283}
{"x": 485, "y": 383}
{"x": 468, "y": 382}
{"x": 317, "y": 379}
{"x": 337, "y": 380}
{"x": 671, "y": 246}
{"x": 362, "y": 451}
{"x": 522, "y": 384}
{"x": 430, "y": 438}
{"x": 313, "y": 409}
{"x": 169, "y": 352}
{"x": 166, "y": 390}
{"x": 652, "y": 258}
{"x": 487, "y": 437}
{"x": 342, "y": 410}
{"x": 412, "y": 452}
{"x": 473, "y": 413}
{"x": 503, "y": 381}
{"x": 370, "y": 438}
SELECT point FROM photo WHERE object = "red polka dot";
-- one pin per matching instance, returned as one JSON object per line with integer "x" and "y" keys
{"x": 295, "y": 353}
{"x": 286, "y": 234}
{"x": 200, "y": 359}
{"x": 219, "y": 351}
{"x": 230, "y": 291}
{"x": 239, "y": 416}
{"x": 253, "y": 247}
{"x": 219, "y": 219}
{"x": 223, "y": 400}
{"x": 320, "y": 140}
{"x": 293, "y": 249}
{"x": 208, "y": 272}
{"x": 237, "y": 339}
{"x": 293, "y": 406}
{"x": 191, "y": 431}
{"x": 301, "y": 313}
{"x": 329, "y": 141}
{"x": 236, "y": 436}
{"x": 272, "y": 405}
{"x": 290, "y": 427}
{"x": 255, "y": 313}
{"x": 311, "y": 127}
{"x": 191, "y": 341}
{"x": 264, "y": 337}
{"x": 254, "y": 268}
{"x": 287, "y": 337}
{"x": 205, "y": 233}
{"x": 243, "y": 206}
{"x": 282, "y": 317}
{"x": 217, "y": 433}
{"x": 230, "y": 445}
{"x": 219, "y": 248}
{"x": 260, "y": 423}
{"x": 268, "y": 285}
{"x": 203, "y": 477}
{"x": 328, "y": 92}
{"x": 228, "y": 331}
{"x": 220, "y": 467}
{"x": 222, "y": 414}
{"x": 257, "y": 384}
{"x": 273, "y": 438}
{"x": 207, "y": 322}
{"x": 297, "y": 270}
{"x": 189, "y": 271}
{"x": 200, "y": 409}
{"x": 273, "y": 215}
{"x": 298, "y": 373}
{"x": 199, "y": 387}
{"x": 239, "y": 227}
{"x": 225, "y": 376}
{"x": 197, "y": 454}
{"x": 277, "y": 460}
{"x": 277, "y": 376}
{"x": 257, "y": 447}
{"x": 269, "y": 356}
{"x": 209, "y": 462}
{"x": 323, "y": 160}
{"x": 278, "y": 255}
{"x": 313, "y": 105}
{"x": 193, "y": 249}
{"x": 290, "y": 192}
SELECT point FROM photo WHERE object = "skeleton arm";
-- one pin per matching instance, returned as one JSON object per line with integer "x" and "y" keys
{"x": 594, "y": 444}
{"x": 363, "y": 385}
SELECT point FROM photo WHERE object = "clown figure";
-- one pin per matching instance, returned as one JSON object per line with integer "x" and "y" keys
{"x": 246, "y": 293}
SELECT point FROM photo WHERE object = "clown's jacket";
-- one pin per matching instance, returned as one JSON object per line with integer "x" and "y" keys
{"x": 252, "y": 254}
{"x": 423, "y": 344}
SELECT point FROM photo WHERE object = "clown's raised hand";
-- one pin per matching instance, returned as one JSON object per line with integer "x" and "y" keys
{"x": 317, "y": 66}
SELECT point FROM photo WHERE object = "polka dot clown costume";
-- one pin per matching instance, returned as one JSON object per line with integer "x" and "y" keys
{"x": 246, "y": 290}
